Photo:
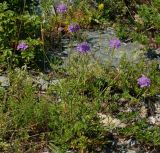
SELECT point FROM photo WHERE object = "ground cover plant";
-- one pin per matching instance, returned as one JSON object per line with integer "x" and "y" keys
{"x": 134, "y": 20}
{"x": 84, "y": 105}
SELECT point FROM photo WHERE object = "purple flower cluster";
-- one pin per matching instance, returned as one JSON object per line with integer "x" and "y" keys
{"x": 73, "y": 27}
{"x": 143, "y": 81}
{"x": 22, "y": 46}
{"x": 83, "y": 47}
{"x": 61, "y": 8}
{"x": 115, "y": 43}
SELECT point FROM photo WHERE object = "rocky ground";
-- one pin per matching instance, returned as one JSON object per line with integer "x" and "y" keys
{"x": 99, "y": 41}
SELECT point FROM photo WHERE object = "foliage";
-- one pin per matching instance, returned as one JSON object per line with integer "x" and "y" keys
{"x": 65, "y": 116}
{"x": 14, "y": 28}
{"x": 19, "y": 6}
{"x": 138, "y": 20}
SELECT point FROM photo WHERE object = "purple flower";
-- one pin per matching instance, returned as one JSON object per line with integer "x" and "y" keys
{"x": 114, "y": 43}
{"x": 73, "y": 27}
{"x": 83, "y": 47}
{"x": 143, "y": 81}
{"x": 61, "y": 8}
{"x": 22, "y": 46}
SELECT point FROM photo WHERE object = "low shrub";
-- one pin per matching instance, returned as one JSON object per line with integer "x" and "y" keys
{"x": 17, "y": 27}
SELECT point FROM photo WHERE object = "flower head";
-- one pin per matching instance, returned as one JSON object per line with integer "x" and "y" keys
{"x": 61, "y": 8}
{"x": 83, "y": 47}
{"x": 22, "y": 46}
{"x": 73, "y": 27}
{"x": 101, "y": 6}
{"x": 114, "y": 43}
{"x": 143, "y": 81}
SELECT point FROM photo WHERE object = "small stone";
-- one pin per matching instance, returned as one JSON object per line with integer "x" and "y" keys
{"x": 109, "y": 121}
{"x": 128, "y": 110}
{"x": 122, "y": 100}
{"x": 43, "y": 84}
{"x": 64, "y": 54}
{"x": 54, "y": 82}
{"x": 157, "y": 51}
{"x": 59, "y": 100}
{"x": 157, "y": 107}
{"x": 152, "y": 120}
{"x": 4, "y": 81}
{"x": 45, "y": 150}
{"x": 131, "y": 151}
{"x": 143, "y": 112}
{"x": 157, "y": 117}
{"x": 70, "y": 151}
{"x": 122, "y": 142}
{"x": 132, "y": 142}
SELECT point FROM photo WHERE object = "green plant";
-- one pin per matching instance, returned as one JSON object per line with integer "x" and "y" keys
{"x": 66, "y": 116}
{"x": 143, "y": 133}
{"x": 14, "y": 28}
{"x": 136, "y": 20}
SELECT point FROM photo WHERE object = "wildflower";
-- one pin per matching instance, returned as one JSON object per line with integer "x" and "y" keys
{"x": 83, "y": 47}
{"x": 143, "y": 81}
{"x": 61, "y": 8}
{"x": 114, "y": 43}
{"x": 22, "y": 46}
{"x": 73, "y": 27}
{"x": 101, "y": 6}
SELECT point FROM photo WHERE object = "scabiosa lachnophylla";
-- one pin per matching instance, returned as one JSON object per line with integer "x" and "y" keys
{"x": 143, "y": 81}
{"x": 61, "y": 8}
{"x": 74, "y": 27}
{"x": 114, "y": 43}
{"x": 22, "y": 46}
{"x": 83, "y": 47}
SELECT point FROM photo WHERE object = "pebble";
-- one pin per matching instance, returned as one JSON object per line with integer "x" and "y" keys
{"x": 43, "y": 84}
{"x": 4, "y": 81}
{"x": 143, "y": 112}
{"x": 158, "y": 51}
{"x": 152, "y": 120}
{"x": 131, "y": 151}
{"x": 109, "y": 121}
